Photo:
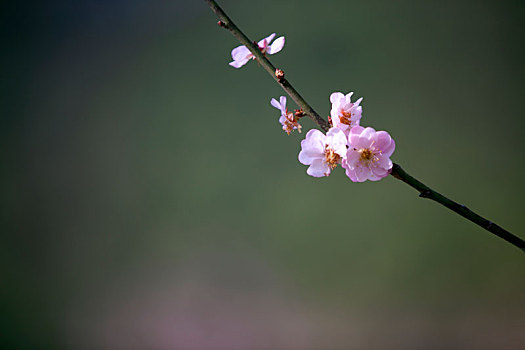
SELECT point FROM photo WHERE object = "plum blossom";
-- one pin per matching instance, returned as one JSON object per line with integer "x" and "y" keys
{"x": 288, "y": 119}
{"x": 368, "y": 155}
{"x": 322, "y": 152}
{"x": 241, "y": 55}
{"x": 345, "y": 114}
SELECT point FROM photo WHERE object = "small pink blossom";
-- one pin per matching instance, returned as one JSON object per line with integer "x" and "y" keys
{"x": 241, "y": 55}
{"x": 344, "y": 113}
{"x": 322, "y": 152}
{"x": 368, "y": 155}
{"x": 287, "y": 119}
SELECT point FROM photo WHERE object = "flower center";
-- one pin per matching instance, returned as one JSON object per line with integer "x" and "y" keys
{"x": 367, "y": 155}
{"x": 290, "y": 123}
{"x": 345, "y": 118}
{"x": 331, "y": 158}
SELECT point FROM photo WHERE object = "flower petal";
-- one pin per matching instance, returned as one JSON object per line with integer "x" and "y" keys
{"x": 275, "y": 103}
{"x": 352, "y": 158}
{"x": 390, "y": 149}
{"x": 264, "y": 42}
{"x": 276, "y": 46}
{"x": 315, "y": 139}
{"x": 382, "y": 140}
{"x": 383, "y": 162}
{"x": 379, "y": 172}
{"x": 350, "y": 172}
{"x": 353, "y": 137}
{"x": 348, "y": 97}
{"x": 362, "y": 173}
{"x": 240, "y": 53}
{"x": 337, "y": 140}
{"x": 365, "y": 139}
{"x": 239, "y": 64}
{"x": 307, "y": 157}
{"x": 319, "y": 168}
{"x": 282, "y": 101}
{"x": 336, "y": 96}
{"x": 312, "y": 147}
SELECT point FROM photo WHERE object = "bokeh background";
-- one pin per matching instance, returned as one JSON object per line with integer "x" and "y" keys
{"x": 149, "y": 199}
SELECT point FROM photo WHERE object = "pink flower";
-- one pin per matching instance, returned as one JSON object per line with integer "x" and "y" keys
{"x": 241, "y": 55}
{"x": 322, "y": 152}
{"x": 287, "y": 119}
{"x": 345, "y": 114}
{"x": 368, "y": 155}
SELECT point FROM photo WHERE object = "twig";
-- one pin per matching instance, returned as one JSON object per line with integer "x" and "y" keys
{"x": 427, "y": 192}
{"x": 397, "y": 171}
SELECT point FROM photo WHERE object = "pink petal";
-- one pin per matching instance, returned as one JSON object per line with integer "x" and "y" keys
{"x": 357, "y": 112}
{"x": 336, "y": 96}
{"x": 275, "y": 103}
{"x": 382, "y": 140}
{"x": 365, "y": 139}
{"x": 374, "y": 177}
{"x": 312, "y": 147}
{"x": 239, "y": 64}
{"x": 319, "y": 168}
{"x": 307, "y": 157}
{"x": 362, "y": 173}
{"x": 264, "y": 42}
{"x": 348, "y": 98}
{"x": 353, "y": 137}
{"x": 276, "y": 46}
{"x": 379, "y": 172}
{"x": 240, "y": 53}
{"x": 337, "y": 140}
{"x": 282, "y": 100}
{"x": 350, "y": 172}
{"x": 352, "y": 157}
{"x": 315, "y": 137}
{"x": 384, "y": 162}
{"x": 390, "y": 149}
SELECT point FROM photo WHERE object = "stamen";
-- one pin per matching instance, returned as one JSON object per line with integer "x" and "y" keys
{"x": 291, "y": 123}
{"x": 345, "y": 118}
{"x": 368, "y": 156}
{"x": 331, "y": 158}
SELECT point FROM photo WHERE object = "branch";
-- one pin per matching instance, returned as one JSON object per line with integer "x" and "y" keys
{"x": 427, "y": 192}
{"x": 397, "y": 171}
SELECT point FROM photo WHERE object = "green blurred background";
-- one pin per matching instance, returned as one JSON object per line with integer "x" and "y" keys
{"x": 150, "y": 199}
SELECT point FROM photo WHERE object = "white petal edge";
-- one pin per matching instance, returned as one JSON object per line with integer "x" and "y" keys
{"x": 276, "y": 46}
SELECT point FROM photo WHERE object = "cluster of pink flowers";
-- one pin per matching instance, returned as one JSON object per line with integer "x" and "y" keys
{"x": 363, "y": 152}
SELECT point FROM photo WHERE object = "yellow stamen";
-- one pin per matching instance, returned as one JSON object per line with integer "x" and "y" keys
{"x": 367, "y": 155}
{"x": 331, "y": 158}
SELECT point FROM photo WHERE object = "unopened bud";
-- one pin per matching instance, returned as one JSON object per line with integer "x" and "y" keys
{"x": 279, "y": 74}
{"x": 221, "y": 24}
